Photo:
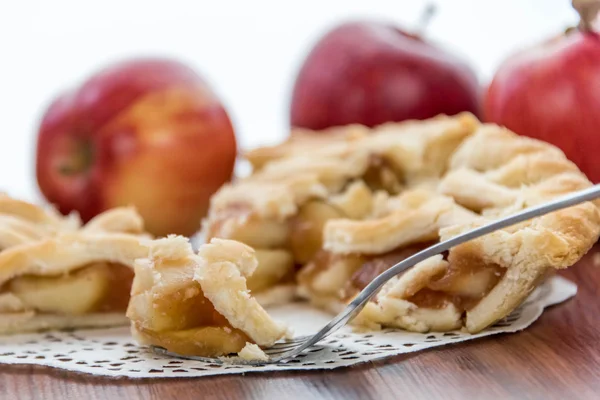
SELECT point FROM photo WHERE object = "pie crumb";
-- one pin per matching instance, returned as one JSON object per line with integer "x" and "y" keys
{"x": 252, "y": 352}
{"x": 289, "y": 333}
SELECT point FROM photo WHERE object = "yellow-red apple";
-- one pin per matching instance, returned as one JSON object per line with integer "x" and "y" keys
{"x": 145, "y": 132}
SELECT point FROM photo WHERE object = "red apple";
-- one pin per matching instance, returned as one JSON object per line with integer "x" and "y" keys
{"x": 372, "y": 72}
{"x": 146, "y": 132}
{"x": 552, "y": 92}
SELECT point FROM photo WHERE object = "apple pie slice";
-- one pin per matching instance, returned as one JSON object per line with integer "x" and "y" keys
{"x": 344, "y": 206}
{"x": 199, "y": 304}
{"x": 56, "y": 273}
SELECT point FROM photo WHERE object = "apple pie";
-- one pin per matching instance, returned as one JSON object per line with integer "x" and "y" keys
{"x": 56, "y": 273}
{"x": 328, "y": 211}
{"x": 199, "y": 304}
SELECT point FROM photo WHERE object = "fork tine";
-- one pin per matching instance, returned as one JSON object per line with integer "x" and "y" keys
{"x": 269, "y": 352}
{"x": 284, "y": 346}
{"x": 279, "y": 350}
{"x": 299, "y": 339}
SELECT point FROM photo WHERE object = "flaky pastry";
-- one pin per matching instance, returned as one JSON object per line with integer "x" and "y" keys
{"x": 56, "y": 273}
{"x": 199, "y": 304}
{"x": 345, "y": 205}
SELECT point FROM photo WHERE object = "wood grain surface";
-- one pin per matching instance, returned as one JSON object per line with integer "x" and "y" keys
{"x": 558, "y": 357}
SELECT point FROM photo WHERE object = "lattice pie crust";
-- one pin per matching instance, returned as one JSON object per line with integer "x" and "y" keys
{"x": 56, "y": 273}
{"x": 328, "y": 211}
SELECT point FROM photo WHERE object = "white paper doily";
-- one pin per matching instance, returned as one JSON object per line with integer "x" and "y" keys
{"x": 112, "y": 352}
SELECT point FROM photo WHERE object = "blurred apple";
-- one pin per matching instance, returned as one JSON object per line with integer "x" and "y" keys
{"x": 145, "y": 132}
{"x": 552, "y": 92}
{"x": 373, "y": 72}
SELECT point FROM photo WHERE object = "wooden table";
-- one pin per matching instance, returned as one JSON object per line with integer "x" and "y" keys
{"x": 558, "y": 357}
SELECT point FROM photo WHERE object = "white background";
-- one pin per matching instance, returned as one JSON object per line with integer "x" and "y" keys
{"x": 248, "y": 50}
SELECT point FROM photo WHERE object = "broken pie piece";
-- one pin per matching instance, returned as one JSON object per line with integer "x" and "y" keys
{"x": 199, "y": 304}
{"x": 57, "y": 274}
{"x": 352, "y": 202}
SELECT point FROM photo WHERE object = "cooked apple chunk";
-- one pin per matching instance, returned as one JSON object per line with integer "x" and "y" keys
{"x": 208, "y": 341}
{"x": 273, "y": 267}
{"x": 307, "y": 229}
{"x": 71, "y": 294}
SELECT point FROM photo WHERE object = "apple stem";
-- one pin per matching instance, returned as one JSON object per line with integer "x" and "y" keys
{"x": 588, "y": 11}
{"x": 426, "y": 16}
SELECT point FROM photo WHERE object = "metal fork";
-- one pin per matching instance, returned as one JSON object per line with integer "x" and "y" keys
{"x": 289, "y": 349}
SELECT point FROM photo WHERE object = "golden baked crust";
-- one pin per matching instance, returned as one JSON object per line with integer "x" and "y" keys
{"x": 348, "y": 204}
{"x": 64, "y": 253}
{"x": 22, "y": 222}
{"x": 303, "y": 141}
{"x": 56, "y": 273}
{"x": 223, "y": 268}
{"x": 198, "y": 304}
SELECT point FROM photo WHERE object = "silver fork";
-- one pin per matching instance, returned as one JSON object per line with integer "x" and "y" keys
{"x": 288, "y": 349}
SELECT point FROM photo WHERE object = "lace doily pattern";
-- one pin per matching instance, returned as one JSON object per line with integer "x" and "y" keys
{"x": 112, "y": 352}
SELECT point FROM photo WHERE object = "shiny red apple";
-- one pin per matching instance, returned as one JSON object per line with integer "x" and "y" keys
{"x": 552, "y": 92}
{"x": 144, "y": 132}
{"x": 372, "y": 72}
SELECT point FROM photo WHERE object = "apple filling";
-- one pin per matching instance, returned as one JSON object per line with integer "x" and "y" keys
{"x": 341, "y": 277}
{"x": 185, "y": 322}
{"x": 95, "y": 288}
{"x": 380, "y": 175}
{"x": 375, "y": 265}
{"x": 306, "y": 228}
{"x": 274, "y": 267}
{"x": 238, "y": 223}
